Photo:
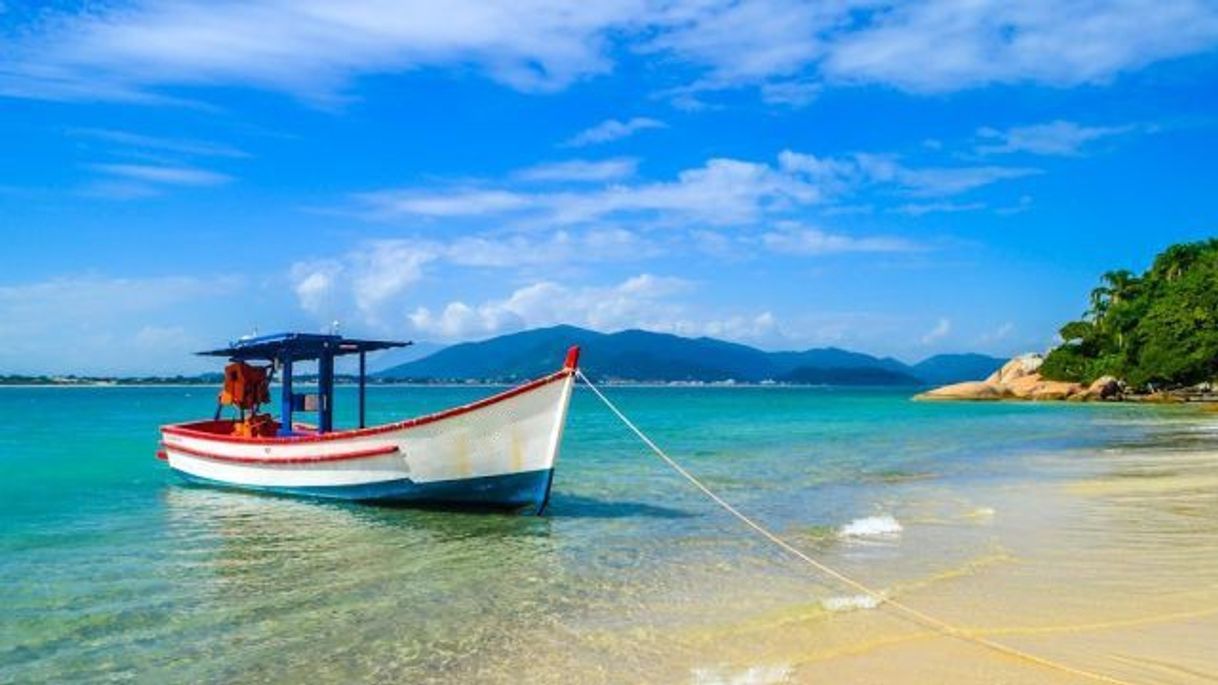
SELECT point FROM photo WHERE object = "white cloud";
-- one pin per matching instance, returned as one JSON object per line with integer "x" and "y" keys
{"x": 449, "y": 203}
{"x": 800, "y": 240}
{"x": 367, "y": 279}
{"x": 940, "y": 331}
{"x": 721, "y": 192}
{"x": 163, "y": 174}
{"x": 594, "y": 245}
{"x": 315, "y": 284}
{"x": 315, "y": 49}
{"x": 154, "y": 338}
{"x": 377, "y": 278}
{"x": 612, "y": 129}
{"x": 90, "y": 323}
{"x": 1002, "y": 332}
{"x": 646, "y": 301}
{"x": 934, "y": 181}
{"x": 1062, "y": 138}
{"x": 852, "y": 171}
{"x": 580, "y": 170}
{"x": 641, "y": 301}
{"x": 791, "y": 93}
{"x": 944, "y": 45}
{"x": 747, "y": 42}
{"x": 920, "y": 209}
{"x": 184, "y": 146}
{"x": 383, "y": 270}
{"x": 761, "y": 327}
{"x": 310, "y": 48}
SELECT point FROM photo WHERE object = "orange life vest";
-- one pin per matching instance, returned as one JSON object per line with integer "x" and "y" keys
{"x": 245, "y": 386}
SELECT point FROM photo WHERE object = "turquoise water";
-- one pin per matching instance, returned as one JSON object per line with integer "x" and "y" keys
{"x": 112, "y": 570}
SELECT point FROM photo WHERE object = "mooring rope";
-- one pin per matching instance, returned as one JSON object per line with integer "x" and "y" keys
{"x": 881, "y": 598}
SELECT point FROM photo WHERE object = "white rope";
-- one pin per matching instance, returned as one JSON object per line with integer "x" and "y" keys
{"x": 881, "y": 598}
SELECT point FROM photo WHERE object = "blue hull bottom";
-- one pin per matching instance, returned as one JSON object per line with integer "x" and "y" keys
{"x": 512, "y": 491}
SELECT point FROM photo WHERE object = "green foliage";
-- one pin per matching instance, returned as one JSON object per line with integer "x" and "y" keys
{"x": 1159, "y": 329}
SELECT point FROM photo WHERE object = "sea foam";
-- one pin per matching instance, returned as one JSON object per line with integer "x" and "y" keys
{"x": 850, "y": 603}
{"x": 753, "y": 675}
{"x": 883, "y": 526}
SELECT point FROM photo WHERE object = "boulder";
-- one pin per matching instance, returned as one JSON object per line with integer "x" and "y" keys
{"x": 1020, "y": 367}
{"x": 1105, "y": 387}
{"x": 1054, "y": 390}
{"x": 1023, "y": 387}
{"x": 970, "y": 390}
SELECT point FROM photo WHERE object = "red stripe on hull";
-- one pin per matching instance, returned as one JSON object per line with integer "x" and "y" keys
{"x": 183, "y": 430}
{"x": 305, "y": 459}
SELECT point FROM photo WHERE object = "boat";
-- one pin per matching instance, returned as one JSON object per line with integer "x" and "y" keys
{"x": 497, "y": 452}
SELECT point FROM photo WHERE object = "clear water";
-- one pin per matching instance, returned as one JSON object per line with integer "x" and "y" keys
{"x": 1018, "y": 517}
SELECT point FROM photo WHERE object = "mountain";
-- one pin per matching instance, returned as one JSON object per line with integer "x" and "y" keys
{"x": 645, "y": 356}
{"x": 944, "y": 369}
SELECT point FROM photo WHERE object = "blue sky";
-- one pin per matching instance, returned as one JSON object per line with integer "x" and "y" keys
{"x": 897, "y": 178}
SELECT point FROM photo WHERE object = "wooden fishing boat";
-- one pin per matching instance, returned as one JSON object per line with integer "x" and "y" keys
{"x": 497, "y": 452}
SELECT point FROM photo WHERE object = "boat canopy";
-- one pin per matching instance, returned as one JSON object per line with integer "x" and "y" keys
{"x": 298, "y": 347}
{"x": 283, "y": 349}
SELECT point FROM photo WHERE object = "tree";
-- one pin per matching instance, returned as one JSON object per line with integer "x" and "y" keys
{"x": 1160, "y": 328}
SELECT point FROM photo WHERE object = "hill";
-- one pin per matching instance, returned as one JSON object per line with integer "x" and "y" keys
{"x": 635, "y": 355}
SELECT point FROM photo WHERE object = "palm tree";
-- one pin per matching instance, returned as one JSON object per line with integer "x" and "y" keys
{"x": 1175, "y": 260}
{"x": 1122, "y": 285}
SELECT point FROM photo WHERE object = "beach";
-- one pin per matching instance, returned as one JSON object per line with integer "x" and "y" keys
{"x": 1080, "y": 533}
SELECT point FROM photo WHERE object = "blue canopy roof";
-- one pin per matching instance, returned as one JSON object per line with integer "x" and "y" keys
{"x": 298, "y": 346}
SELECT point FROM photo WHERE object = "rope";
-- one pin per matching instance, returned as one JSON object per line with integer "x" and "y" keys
{"x": 882, "y": 599}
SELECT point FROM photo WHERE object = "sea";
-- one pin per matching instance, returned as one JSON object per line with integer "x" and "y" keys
{"x": 1086, "y": 534}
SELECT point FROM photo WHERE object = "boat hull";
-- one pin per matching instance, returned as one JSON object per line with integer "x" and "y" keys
{"x": 498, "y": 452}
{"x": 510, "y": 491}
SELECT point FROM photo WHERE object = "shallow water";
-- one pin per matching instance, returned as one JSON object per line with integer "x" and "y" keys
{"x": 1087, "y": 534}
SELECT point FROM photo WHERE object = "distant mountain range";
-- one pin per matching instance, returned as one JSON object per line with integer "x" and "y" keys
{"x": 645, "y": 356}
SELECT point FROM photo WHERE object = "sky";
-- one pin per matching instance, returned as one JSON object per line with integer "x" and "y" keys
{"x": 901, "y": 179}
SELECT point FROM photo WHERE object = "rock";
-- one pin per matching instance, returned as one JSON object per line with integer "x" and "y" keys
{"x": 1162, "y": 397}
{"x": 1022, "y": 387}
{"x": 1019, "y": 367}
{"x": 1105, "y": 387}
{"x": 1054, "y": 390}
{"x": 971, "y": 390}
{"x": 1020, "y": 379}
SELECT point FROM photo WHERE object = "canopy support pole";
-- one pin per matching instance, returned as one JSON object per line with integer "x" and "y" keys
{"x": 362, "y": 387}
{"x": 285, "y": 402}
{"x": 325, "y": 382}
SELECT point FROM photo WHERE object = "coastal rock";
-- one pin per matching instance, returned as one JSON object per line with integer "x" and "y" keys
{"x": 1105, "y": 387}
{"x": 970, "y": 390}
{"x": 1020, "y": 379}
{"x": 1054, "y": 390}
{"x": 1022, "y": 366}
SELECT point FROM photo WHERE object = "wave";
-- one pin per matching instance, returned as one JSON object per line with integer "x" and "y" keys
{"x": 883, "y": 526}
{"x": 753, "y": 675}
{"x": 850, "y": 603}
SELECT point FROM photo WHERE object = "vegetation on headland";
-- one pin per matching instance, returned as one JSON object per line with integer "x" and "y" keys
{"x": 1155, "y": 331}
